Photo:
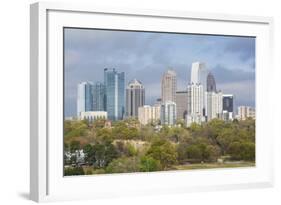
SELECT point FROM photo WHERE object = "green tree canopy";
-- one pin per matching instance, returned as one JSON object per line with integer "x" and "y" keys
{"x": 201, "y": 152}
{"x": 104, "y": 154}
{"x": 242, "y": 151}
{"x": 164, "y": 151}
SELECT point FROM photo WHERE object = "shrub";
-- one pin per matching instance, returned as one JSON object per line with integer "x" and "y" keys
{"x": 124, "y": 165}
{"x": 149, "y": 164}
{"x": 70, "y": 171}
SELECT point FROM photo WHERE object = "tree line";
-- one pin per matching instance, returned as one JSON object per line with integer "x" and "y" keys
{"x": 127, "y": 146}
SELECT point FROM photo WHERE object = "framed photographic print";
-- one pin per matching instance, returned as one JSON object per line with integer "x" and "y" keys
{"x": 127, "y": 102}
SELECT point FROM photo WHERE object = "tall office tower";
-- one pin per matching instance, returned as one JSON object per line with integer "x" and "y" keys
{"x": 168, "y": 113}
{"x": 195, "y": 104}
{"x": 245, "y": 112}
{"x": 169, "y": 86}
{"x": 211, "y": 83}
{"x": 195, "y": 96}
{"x": 214, "y": 104}
{"x": 135, "y": 98}
{"x": 199, "y": 74}
{"x": 84, "y": 97}
{"x": 98, "y": 97}
{"x": 228, "y": 106}
{"x": 148, "y": 114}
{"x": 181, "y": 102}
{"x": 114, "y": 83}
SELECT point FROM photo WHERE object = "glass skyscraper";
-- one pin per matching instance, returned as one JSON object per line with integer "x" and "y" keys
{"x": 228, "y": 103}
{"x": 114, "y": 83}
{"x": 84, "y": 97}
{"x": 211, "y": 83}
{"x": 228, "y": 106}
{"x": 98, "y": 97}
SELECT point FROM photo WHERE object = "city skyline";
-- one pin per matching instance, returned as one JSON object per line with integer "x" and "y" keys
{"x": 240, "y": 82}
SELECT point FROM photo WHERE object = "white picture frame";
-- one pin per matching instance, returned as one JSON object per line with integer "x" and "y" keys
{"x": 46, "y": 176}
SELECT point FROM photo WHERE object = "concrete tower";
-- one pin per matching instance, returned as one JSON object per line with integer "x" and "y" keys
{"x": 135, "y": 98}
{"x": 169, "y": 86}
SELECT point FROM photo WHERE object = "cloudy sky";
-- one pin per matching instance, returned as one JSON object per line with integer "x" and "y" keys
{"x": 146, "y": 55}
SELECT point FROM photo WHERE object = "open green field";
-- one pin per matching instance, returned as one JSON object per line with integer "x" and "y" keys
{"x": 214, "y": 165}
{"x": 194, "y": 166}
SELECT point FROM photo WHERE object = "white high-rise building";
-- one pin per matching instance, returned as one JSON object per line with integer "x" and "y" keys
{"x": 169, "y": 86}
{"x": 214, "y": 105}
{"x": 148, "y": 114}
{"x": 195, "y": 103}
{"x": 84, "y": 97}
{"x": 168, "y": 113}
{"x": 245, "y": 112}
{"x": 195, "y": 96}
{"x": 199, "y": 75}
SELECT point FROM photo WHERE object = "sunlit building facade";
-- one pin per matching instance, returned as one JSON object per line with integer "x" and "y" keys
{"x": 149, "y": 114}
{"x": 199, "y": 74}
{"x": 214, "y": 105}
{"x": 195, "y": 104}
{"x": 91, "y": 116}
{"x": 245, "y": 112}
{"x": 169, "y": 86}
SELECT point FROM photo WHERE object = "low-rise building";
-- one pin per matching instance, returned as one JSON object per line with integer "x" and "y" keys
{"x": 168, "y": 113}
{"x": 93, "y": 115}
{"x": 148, "y": 114}
{"x": 245, "y": 112}
{"x": 194, "y": 118}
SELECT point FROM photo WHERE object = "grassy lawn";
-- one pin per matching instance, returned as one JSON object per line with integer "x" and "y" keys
{"x": 91, "y": 170}
{"x": 214, "y": 165}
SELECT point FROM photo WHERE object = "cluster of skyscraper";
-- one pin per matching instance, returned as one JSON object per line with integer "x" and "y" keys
{"x": 199, "y": 102}
{"x": 204, "y": 101}
{"x": 102, "y": 99}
